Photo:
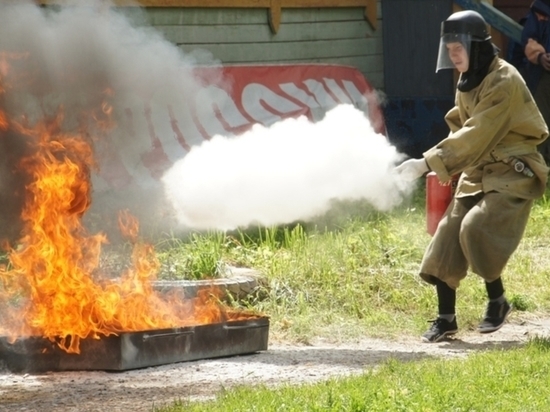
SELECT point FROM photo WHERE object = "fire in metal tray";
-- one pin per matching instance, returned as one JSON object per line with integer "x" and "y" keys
{"x": 57, "y": 309}
{"x": 132, "y": 350}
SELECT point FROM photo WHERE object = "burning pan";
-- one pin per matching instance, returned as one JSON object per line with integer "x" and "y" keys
{"x": 133, "y": 350}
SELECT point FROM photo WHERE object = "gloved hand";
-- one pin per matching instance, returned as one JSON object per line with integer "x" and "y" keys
{"x": 412, "y": 169}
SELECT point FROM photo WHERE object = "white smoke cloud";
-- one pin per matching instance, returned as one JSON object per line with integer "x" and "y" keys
{"x": 287, "y": 172}
{"x": 290, "y": 171}
{"x": 77, "y": 55}
{"x": 76, "y": 51}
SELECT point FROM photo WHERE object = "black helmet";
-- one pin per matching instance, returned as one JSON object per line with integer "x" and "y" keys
{"x": 465, "y": 27}
{"x": 466, "y": 22}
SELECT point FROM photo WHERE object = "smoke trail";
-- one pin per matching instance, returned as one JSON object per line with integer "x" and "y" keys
{"x": 77, "y": 57}
{"x": 76, "y": 52}
{"x": 290, "y": 171}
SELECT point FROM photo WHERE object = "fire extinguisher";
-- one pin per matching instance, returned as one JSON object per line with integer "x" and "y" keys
{"x": 438, "y": 198}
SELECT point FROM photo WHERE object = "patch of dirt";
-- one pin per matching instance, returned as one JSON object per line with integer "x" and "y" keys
{"x": 142, "y": 390}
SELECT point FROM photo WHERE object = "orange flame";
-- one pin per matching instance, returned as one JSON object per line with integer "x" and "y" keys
{"x": 52, "y": 285}
{"x": 3, "y": 121}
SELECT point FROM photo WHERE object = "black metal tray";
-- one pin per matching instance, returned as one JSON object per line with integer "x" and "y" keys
{"x": 133, "y": 350}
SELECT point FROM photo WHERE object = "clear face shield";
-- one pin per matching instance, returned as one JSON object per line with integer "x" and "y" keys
{"x": 454, "y": 51}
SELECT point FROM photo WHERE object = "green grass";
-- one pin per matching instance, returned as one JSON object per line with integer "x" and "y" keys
{"x": 353, "y": 273}
{"x": 500, "y": 380}
{"x": 196, "y": 257}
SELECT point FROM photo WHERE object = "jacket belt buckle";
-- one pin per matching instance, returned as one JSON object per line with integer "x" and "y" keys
{"x": 520, "y": 167}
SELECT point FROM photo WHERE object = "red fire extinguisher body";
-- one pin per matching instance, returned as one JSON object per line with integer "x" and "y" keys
{"x": 438, "y": 198}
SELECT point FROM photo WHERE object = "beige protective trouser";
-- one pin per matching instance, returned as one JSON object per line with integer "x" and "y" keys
{"x": 479, "y": 232}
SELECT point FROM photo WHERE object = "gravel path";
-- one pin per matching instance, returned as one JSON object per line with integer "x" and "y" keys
{"x": 141, "y": 390}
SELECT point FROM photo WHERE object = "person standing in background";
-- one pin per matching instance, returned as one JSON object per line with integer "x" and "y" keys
{"x": 535, "y": 40}
{"x": 515, "y": 54}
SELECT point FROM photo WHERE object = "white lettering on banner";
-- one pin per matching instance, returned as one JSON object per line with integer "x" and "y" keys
{"x": 253, "y": 96}
{"x": 176, "y": 129}
{"x": 188, "y": 128}
{"x": 361, "y": 101}
{"x": 294, "y": 91}
{"x": 337, "y": 91}
{"x": 167, "y": 142}
{"x": 212, "y": 96}
{"x": 131, "y": 154}
{"x": 316, "y": 111}
{"x": 154, "y": 137}
{"x": 318, "y": 90}
{"x": 156, "y": 142}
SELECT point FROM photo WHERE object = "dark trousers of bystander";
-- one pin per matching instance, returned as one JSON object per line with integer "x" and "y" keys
{"x": 542, "y": 98}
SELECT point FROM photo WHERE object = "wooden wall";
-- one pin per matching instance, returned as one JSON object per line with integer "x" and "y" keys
{"x": 305, "y": 35}
{"x": 326, "y": 31}
{"x": 516, "y": 9}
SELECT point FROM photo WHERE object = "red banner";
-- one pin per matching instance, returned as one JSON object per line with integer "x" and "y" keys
{"x": 229, "y": 105}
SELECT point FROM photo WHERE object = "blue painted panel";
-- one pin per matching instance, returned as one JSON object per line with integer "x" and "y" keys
{"x": 417, "y": 97}
{"x": 415, "y": 124}
{"x": 411, "y": 33}
{"x": 494, "y": 17}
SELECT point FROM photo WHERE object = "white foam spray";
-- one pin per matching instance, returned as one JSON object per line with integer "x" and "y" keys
{"x": 287, "y": 172}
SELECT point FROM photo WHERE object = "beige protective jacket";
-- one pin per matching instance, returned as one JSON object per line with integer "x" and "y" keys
{"x": 490, "y": 125}
{"x": 493, "y": 123}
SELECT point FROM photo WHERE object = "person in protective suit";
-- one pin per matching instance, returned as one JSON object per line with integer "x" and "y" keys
{"x": 495, "y": 128}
